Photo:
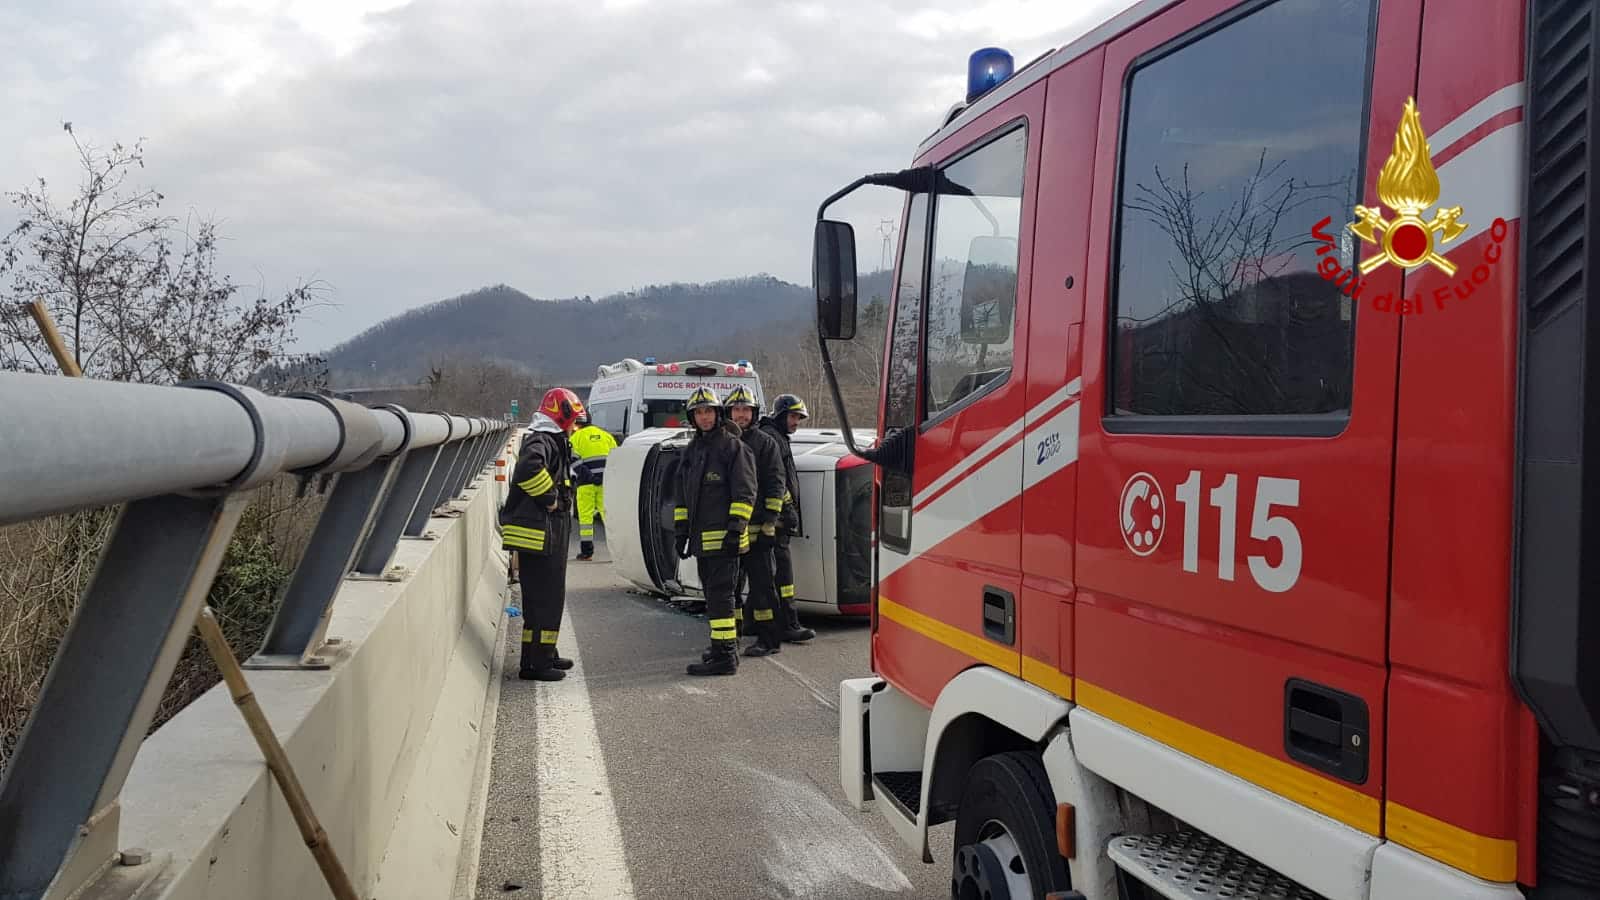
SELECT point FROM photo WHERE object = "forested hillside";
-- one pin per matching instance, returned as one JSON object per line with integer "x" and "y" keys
{"x": 500, "y": 329}
{"x": 565, "y": 339}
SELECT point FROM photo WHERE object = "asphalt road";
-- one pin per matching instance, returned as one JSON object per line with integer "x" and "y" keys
{"x": 631, "y": 779}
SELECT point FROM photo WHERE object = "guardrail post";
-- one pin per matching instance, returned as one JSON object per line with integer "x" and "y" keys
{"x": 363, "y": 475}
{"x": 378, "y": 548}
{"x": 60, "y": 792}
{"x": 446, "y": 487}
{"x": 436, "y": 482}
{"x": 472, "y": 465}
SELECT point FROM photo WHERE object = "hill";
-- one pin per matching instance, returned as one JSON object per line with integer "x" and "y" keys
{"x": 563, "y": 340}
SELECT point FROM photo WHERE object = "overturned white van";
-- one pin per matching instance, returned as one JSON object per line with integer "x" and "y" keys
{"x": 832, "y": 558}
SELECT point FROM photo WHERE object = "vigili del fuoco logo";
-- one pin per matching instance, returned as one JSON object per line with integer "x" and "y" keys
{"x": 1408, "y": 184}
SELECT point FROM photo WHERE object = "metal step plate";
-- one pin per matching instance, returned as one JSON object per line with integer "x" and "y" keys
{"x": 905, "y": 787}
{"x": 1188, "y": 865}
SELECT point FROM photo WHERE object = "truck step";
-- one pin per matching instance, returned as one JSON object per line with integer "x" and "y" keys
{"x": 904, "y": 788}
{"x": 1188, "y": 865}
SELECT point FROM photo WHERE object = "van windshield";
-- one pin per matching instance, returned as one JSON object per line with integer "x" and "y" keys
{"x": 665, "y": 414}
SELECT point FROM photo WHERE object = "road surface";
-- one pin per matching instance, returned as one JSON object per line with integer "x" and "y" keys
{"x": 631, "y": 779}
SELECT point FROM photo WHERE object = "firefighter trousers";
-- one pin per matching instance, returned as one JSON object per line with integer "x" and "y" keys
{"x": 591, "y": 500}
{"x": 718, "y": 577}
{"x": 544, "y": 598}
{"x": 783, "y": 569}
{"x": 761, "y": 602}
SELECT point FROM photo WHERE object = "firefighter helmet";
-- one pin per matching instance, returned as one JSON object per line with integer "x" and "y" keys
{"x": 703, "y": 397}
{"x": 741, "y": 396}
{"x": 789, "y": 403}
{"x": 562, "y": 406}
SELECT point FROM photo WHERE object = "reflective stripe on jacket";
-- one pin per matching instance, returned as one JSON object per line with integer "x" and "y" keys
{"x": 716, "y": 493}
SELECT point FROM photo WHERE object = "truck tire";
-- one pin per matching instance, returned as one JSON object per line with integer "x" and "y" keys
{"x": 1005, "y": 832}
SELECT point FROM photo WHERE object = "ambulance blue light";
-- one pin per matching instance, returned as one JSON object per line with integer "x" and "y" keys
{"x": 649, "y": 360}
{"x": 985, "y": 69}
{"x": 744, "y": 362}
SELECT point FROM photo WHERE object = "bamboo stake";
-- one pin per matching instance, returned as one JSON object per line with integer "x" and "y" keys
{"x": 58, "y": 347}
{"x": 310, "y": 829}
{"x": 243, "y": 698}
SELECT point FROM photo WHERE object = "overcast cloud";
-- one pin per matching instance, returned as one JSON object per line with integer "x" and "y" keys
{"x": 403, "y": 152}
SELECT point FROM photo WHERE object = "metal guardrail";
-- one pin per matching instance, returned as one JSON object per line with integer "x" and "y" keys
{"x": 183, "y": 460}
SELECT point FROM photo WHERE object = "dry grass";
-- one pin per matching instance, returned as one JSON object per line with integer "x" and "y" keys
{"x": 45, "y": 566}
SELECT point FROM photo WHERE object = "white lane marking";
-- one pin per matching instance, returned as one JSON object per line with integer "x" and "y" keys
{"x": 810, "y": 686}
{"x": 580, "y": 840}
{"x": 1509, "y": 97}
{"x": 812, "y": 847}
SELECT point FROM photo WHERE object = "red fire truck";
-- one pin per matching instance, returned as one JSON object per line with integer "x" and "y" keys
{"x": 1232, "y": 516}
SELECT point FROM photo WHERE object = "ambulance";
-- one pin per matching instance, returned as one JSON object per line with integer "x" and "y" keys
{"x": 631, "y": 395}
{"x": 1234, "y": 533}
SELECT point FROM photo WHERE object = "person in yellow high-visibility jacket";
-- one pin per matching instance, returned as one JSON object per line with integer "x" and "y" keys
{"x": 590, "y": 447}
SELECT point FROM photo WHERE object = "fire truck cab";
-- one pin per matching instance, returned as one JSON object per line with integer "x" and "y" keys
{"x": 1232, "y": 517}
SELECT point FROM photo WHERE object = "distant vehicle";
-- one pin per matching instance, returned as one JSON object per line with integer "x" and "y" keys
{"x": 629, "y": 396}
{"x": 832, "y": 558}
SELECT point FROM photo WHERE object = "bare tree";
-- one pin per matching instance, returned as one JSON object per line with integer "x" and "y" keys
{"x": 135, "y": 291}
{"x": 481, "y": 387}
{"x": 137, "y": 298}
{"x": 1226, "y": 254}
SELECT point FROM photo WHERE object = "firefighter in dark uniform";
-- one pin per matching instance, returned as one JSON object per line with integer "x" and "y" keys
{"x": 536, "y": 523}
{"x": 788, "y": 411}
{"x": 771, "y": 484}
{"x": 716, "y": 494}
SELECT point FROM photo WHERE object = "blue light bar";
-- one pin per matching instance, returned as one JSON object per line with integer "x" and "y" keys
{"x": 744, "y": 362}
{"x": 987, "y": 68}
{"x": 649, "y": 360}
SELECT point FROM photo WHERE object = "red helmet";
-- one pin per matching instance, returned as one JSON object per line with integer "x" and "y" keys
{"x": 562, "y": 406}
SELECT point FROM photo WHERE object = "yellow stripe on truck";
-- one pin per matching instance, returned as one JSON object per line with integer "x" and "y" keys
{"x": 1492, "y": 859}
{"x": 1326, "y": 796}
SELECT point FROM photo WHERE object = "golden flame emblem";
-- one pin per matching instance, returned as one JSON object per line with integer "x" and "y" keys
{"x": 1408, "y": 184}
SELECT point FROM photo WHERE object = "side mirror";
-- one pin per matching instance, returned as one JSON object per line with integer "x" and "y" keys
{"x": 833, "y": 270}
{"x": 989, "y": 290}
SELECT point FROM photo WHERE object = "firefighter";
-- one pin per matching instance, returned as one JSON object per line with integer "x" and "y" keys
{"x": 536, "y": 523}
{"x": 716, "y": 493}
{"x": 788, "y": 411}
{"x": 758, "y": 566}
{"x": 591, "y": 445}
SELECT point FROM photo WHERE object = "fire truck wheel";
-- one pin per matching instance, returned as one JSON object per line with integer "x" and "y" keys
{"x": 1005, "y": 832}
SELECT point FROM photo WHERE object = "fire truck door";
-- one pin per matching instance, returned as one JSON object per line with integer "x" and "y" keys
{"x": 950, "y": 534}
{"x": 1239, "y": 397}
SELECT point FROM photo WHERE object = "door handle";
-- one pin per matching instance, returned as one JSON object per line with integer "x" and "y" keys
{"x": 1326, "y": 729}
{"x": 999, "y": 615}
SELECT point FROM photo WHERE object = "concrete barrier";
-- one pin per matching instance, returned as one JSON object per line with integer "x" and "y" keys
{"x": 385, "y": 742}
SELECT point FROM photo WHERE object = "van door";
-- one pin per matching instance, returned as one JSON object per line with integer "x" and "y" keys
{"x": 1237, "y": 443}
{"x": 950, "y": 532}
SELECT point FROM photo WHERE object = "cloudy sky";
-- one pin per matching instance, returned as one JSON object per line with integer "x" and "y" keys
{"x": 402, "y": 152}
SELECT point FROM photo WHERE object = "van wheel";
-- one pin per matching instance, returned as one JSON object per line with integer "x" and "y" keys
{"x": 1005, "y": 832}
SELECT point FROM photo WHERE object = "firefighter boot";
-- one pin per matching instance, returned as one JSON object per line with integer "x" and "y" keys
{"x": 585, "y": 551}
{"x": 769, "y": 637}
{"x": 793, "y": 631}
{"x": 724, "y": 660}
